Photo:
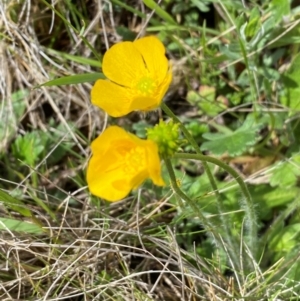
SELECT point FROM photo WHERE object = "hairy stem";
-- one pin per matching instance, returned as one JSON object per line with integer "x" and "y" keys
{"x": 192, "y": 141}
{"x": 182, "y": 195}
{"x": 249, "y": 203}
{"x": 211, "y": 179}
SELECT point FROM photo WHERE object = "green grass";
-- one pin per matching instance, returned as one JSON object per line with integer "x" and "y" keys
{"x": 235, "y": 89}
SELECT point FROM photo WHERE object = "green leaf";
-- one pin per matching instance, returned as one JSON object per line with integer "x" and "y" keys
{"x": 14, "y": 204}
{"x": 19, "y": 226}
{"x": 132, "y": 9}
{"x": 75, "y": 58}
{"x": 231, "y": 51}
{"x": 140, "y": 128}
{"x": 291, "y": 81}
{"x": 204, "y": 7}
{"x": 206, "y": 100}
{"x": 29, "y": 147}
{"x": 73, "y": 79}
{"x": 280, "y": 196}
{"x": 43, "y": 205}
{"x": 254, "y": 23}
{"x": 126, "y": 33}
{"x": 267, "y": 198}
{"x": 290, "y": 38}
{"x": 232, "y": 143}
{"x": 280, "y": 8}
{"x": 10, "y": 113}
{"x": 56, "y": 135}
{"x": 159, "y": 11}
{"x": 286, "y": 240}
{"x": 284, "y": 175}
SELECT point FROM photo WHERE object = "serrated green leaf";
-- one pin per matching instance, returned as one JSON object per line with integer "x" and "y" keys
{"x": 73, "y": 79}
{"x": 19, "y": 226}
{"x": 29, "y": 147}
{"x": 159, "y": 11}
{"x": 232, "y": 143}
{"x": 14, "y": 204}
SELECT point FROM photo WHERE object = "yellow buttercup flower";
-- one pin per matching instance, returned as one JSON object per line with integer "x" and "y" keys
{"x": 138, "y": 77}
{"x": 121, "y": 162}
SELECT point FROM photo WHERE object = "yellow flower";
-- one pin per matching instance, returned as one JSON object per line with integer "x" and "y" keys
{"x": 121, "y": 162}
{"x": 138, "y": 77}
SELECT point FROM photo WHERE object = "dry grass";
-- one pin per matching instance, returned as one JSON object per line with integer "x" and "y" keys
{"x": 88, "y": 251}
{"x": 79, "y": 257}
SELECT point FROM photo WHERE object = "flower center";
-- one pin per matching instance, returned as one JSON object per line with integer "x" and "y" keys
{"x": 146, "y": 86}
{"x": 135, "y": 160}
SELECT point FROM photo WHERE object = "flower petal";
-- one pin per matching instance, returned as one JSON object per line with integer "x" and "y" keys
{"x": 106, "y": 166}
{"x": 153, "y": 53}
{"x": 103, "y": 142}
{"x": 101, "y": 181}
{"x": 154, "y": 163}
{"x": 121, "y": 162}
{"x": 144, "y": 103}
{"x": 148, "y": 103}
{"x": 163, "y": 87}
{"x": 123, "y": 64}
{"x": 112, "y": 98}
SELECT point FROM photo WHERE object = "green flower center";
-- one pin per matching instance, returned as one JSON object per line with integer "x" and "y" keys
{"x": 166, "y": 136}
{"x": 146, "y": 86}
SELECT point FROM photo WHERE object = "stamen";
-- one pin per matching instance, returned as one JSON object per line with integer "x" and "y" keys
{"x": 146, "y": 86}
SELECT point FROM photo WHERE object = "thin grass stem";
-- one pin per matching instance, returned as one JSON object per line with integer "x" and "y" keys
{"x": 250, "y": 212}
{"x": 221, "y": 209}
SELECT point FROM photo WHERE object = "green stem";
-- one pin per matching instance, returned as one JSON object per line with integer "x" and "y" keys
{"x": 249, "y": 203}
{"x": 192, "y": 141}
{"x": 208, "y": 226}
{"x": 211, "y": 179}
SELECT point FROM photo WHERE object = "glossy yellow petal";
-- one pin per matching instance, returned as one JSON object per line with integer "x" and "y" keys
{"x": 154, "y": 166}
{"x": 102, "y": 182}
{"x": 103, "y": 142}
{"x": 138, "y": 179}
{"x": 144, "y": 103}
{"x": 112, "y": 98}
{"x": 106, "y": 167}
{"x": 123, "y": 64}
{"x": 153, "y": 53}
{"x": 148, "y": 103}
{"x": 121, "y": 162}
{"x": 163, "y": 87}
{"x": 138, "y": 74}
